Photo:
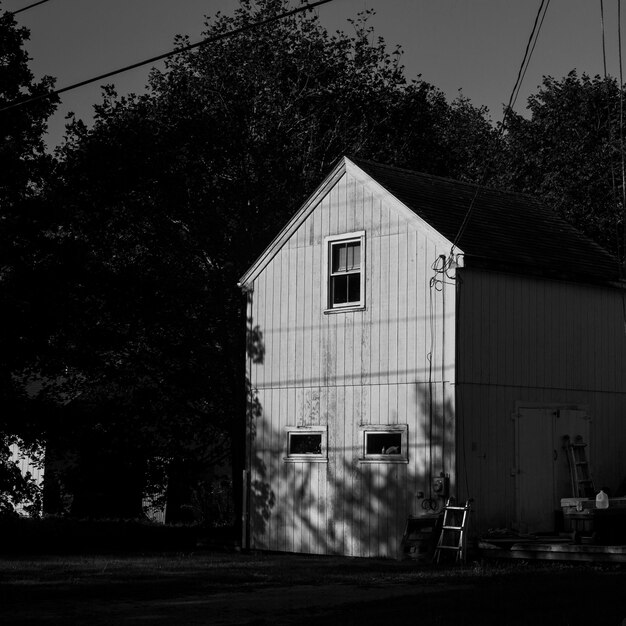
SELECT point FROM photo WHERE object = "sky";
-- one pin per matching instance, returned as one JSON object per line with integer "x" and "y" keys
{"x": 469, "y": 46}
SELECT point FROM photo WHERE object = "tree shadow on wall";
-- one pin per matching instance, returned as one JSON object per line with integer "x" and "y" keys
{"x": 255, "y": 348}
{"x": 344, "y": 506}
{"x": 261, "y": 496}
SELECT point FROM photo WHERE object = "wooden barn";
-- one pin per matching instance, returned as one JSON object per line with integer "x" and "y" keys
{"x": 383, "y": 361}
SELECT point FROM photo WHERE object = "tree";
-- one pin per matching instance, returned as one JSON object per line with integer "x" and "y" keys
{"x": 23, "y": 169}
{"x": 568, "y": 154}
{"x": 170, "y": 196}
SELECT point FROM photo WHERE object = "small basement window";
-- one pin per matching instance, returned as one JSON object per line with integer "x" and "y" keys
{"x": 345, "y": 273}
{"x": 300, "y": 443}
{"x": 306, "y": 444}
{"x": 384, "y": 444}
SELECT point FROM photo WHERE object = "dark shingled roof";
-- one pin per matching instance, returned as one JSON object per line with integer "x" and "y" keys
{"x": 506, "y": 231}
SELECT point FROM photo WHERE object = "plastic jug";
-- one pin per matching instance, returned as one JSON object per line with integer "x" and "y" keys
{"x": 602, "y": 500}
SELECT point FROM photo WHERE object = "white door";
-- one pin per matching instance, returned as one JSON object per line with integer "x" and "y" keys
{"x": 543, "y": 476}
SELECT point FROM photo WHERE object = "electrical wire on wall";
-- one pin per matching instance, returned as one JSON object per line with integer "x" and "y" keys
{"x": 436, "y": 285}
{"x": 444, "y": 266}
{"x": 528, "y": 52}
{"x": 430, "y": 503}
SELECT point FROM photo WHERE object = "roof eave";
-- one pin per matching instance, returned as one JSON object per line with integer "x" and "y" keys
{"x": 289, "y": 228}
{"x": 474, "y": 261}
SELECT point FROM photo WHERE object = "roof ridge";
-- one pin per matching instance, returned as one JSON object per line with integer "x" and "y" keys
{"x": 510, "y": 224}
{"x": 547, "y": 210}
{"x": 514, "y": 232}
{"x": 447, "y": 179}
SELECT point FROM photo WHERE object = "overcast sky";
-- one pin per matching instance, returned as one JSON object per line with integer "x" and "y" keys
{"x": 471, "y": 45}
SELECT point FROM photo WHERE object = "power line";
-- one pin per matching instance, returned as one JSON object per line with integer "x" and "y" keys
{"x": 30, "y": 6}
{"x": 165, "y": 55}
{"x": 528, "y": 52}
{"x": 603, "y": 38}
{"x": 621, "y": 262}
{"x": 512, "y": 105}
{"x": 608, "y": 120}
{"x": 621, "y": 125}
{"x": 518, "y": 80}
{"x": 621, "y": 130}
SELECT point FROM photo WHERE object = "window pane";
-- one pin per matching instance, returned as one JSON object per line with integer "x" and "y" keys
{"x": 353, "y": 255}
{"x": 340, "y": 251}
{"x": 305, "y": 443}
{"x": 339, "y": 289}
{"x": 354, "y": 287}
{"x": 344, "y": 275}
{"x": 383, "y": 443}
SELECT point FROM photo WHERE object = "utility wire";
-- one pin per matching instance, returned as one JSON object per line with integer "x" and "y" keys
{"x": 512, "y": 105}
{"x": 609, "y": 125}
{"x": 165, "y": 55}
{"x": 524, "y": 64}
{"x": 530, "y": 47}
{"x": 621, "y": 125}
{"x": 603, "y": 37}
{"x": 443, "y": 268}
{"x": 30, "y": 6}
{"x": 620, "y": 262}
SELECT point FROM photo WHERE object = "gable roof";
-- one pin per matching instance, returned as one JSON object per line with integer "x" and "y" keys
{"x": 506, "y": 231}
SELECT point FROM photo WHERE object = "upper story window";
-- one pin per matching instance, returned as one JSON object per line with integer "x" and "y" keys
{"x": 346, "y": 271}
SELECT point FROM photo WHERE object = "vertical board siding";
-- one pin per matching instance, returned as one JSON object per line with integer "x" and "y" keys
{"x": 344, "y": 370}
{"x": 487, "y": 446}
{"x": 528, "y": 332}
{"x": 536, "y": 341}
{"x": 27, "y": 466}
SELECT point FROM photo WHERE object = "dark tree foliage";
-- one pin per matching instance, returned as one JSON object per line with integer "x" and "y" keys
{"x": 568, "y": 153}
{"x": 24, "y": 166}
{"x": 125, "y": 335}
{"x": 163, "y": 204}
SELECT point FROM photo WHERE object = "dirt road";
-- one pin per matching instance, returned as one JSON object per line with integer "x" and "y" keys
{"x": 285, "y": 590}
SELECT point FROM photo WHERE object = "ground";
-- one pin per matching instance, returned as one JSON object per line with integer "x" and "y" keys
{"x": 232, "y": 588}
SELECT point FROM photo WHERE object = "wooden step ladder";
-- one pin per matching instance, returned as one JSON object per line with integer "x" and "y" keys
{"x": 580, "y": 475}
{"x": 453, "y": 531}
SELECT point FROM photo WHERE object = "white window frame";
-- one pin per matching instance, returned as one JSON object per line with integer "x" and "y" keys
{"x": 322, "y": 457}
{"x": 328, "y": 245}
{"x": 381, "y": 429}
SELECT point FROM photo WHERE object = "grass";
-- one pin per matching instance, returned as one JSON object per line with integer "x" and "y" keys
{"x": 237, "y": 588}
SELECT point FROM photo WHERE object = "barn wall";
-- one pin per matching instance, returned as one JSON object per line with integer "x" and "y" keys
{"x": 525, "y": 340}
{"x": 347, "y": 369}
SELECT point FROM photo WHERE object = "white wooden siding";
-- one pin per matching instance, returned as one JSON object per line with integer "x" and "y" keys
{"x": 27, "y": 465}
{"x": 346, "y": 369}
{"x": 526, "y": 340}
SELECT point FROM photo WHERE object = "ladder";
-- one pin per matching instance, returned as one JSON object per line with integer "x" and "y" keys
{"x": 582, "y": 483}
{"x": 453, "y": 531}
